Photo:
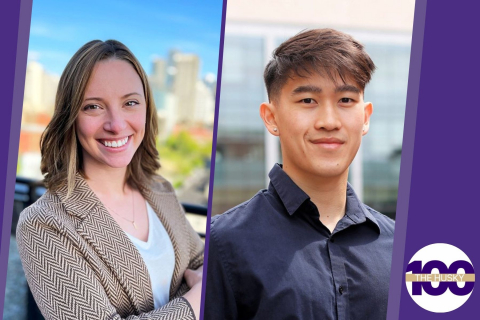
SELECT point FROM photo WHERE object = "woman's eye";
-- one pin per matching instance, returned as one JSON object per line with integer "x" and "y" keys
{"x": 91, "y": 107}
{"x": 308, "y": 100}
{"x": 131, "y": 103}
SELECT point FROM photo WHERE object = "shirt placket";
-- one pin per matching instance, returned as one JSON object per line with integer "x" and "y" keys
{"x": 339, "y": 278}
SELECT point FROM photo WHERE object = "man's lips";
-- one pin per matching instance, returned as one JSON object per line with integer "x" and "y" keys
{"x": 328, "y": 143}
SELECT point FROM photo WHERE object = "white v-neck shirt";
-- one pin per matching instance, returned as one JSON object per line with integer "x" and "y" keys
{"x": 158, "y": 255}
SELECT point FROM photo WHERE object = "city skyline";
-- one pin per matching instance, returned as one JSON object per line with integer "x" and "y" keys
{"x": 176, "y": 76}
{"x": 183, "y": 102}
{"x": 151, "y": 29}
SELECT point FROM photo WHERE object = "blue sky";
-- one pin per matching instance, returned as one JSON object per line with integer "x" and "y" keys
{"x": 148, "y": 27}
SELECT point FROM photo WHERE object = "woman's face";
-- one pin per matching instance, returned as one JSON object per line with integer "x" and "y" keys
{"x": 111, "y": 123}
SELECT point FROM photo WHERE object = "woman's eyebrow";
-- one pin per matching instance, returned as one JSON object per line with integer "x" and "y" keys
{"x": 93, "y": 98}
{"x": 130, "y": 94}
{"x": 123, "y": 97}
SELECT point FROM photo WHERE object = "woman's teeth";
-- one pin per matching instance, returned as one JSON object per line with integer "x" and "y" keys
{"x": 115, "y": 144}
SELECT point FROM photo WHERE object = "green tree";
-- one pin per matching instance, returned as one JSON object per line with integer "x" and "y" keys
{"x": 180, "y": 154}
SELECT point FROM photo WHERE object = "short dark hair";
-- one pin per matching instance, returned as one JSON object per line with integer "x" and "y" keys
{"x": 325, "y": 51}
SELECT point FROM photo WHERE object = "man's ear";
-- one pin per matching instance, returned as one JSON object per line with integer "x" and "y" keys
{"x": 368, "y": 110}
{"x": 267, "y": 112}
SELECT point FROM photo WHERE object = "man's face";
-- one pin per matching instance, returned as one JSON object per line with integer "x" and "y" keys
{"x": 320, "y": 124}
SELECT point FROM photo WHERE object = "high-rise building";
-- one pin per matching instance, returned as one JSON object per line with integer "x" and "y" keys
{"x": 40, "y": 90}
{"x": 184, "y": 69}
{"x": 158, "y": 77}
{"x": 38, "y": 105}
{"x": 204, "y": 112}
{"x": 165, "y": 101}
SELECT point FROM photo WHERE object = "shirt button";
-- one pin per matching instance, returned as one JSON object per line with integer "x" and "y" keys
{"x": 340, "y": 289}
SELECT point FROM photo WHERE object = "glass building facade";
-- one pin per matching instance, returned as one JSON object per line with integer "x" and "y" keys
{"x": 241, "y": 166}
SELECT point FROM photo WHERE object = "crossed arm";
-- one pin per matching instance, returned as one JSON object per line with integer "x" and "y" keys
{"x": 67, "y": 285}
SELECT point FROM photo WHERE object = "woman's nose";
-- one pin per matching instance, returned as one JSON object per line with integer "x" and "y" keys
{"x": 115, "y": 122}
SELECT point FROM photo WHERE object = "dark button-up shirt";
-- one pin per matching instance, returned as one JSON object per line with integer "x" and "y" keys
{"x": 272, "y": 258}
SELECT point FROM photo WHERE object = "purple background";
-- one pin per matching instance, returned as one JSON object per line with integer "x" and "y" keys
{"x": 13, "y": 63}
{"x": 442, "y": 200}
{"x": 438, "y": 185}
{"x": 214, "y": 148}
{"x": 396, "y": 279}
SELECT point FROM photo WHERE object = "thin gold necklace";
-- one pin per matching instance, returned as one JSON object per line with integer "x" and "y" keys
{"x": 133, "y": 209}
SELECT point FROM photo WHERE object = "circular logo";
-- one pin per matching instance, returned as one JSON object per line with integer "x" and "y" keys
{"x": 440, "y": 278}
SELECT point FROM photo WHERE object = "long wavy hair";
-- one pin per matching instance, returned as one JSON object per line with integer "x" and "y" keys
{"x": 60, "y": 149}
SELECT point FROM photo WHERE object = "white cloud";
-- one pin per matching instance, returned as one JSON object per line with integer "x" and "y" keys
{"x": 59, "y": 32}
{"x": 33, "y": 55}
{"x": 210, "y": 77}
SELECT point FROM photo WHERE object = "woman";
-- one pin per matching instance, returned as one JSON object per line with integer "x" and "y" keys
{"x": 109, "y": 239}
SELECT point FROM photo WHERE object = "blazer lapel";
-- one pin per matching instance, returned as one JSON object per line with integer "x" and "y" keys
{"x": 165, "y": 204}
{"x": 110, "y": 242}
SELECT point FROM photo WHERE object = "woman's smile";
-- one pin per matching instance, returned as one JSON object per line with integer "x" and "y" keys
{"x": 111, "y": 124}
{"x": 115, "y": 144}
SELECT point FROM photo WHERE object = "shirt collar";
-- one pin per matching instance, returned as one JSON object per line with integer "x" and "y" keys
{"x": 290, "y": 194}
{"x": 356, "y": 210}
{"x": 293, "y": 197}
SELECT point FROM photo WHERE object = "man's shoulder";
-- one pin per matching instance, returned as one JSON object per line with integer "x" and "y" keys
{"x": 241, "y": 217}
{"x": 384, "y": 222}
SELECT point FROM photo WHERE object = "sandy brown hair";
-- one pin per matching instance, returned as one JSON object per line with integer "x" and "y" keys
{"x": 60, "y": 148}
{"x": 325, "y": 51}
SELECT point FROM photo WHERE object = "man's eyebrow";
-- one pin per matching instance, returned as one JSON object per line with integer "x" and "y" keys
{"x": 123, "y": 97}
{"x": 307, "y": 88}
{"x": 347, "y": 88}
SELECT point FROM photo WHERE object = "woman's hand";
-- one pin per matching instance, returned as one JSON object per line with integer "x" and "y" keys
{"x": 194, "y": 296}
{"x": 192, "y": 277}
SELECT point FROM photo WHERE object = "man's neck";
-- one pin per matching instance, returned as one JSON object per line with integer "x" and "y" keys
{"x": 329, "y": 194}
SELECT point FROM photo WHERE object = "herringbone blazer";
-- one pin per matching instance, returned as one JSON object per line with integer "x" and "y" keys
{"x": 79, "y": 264}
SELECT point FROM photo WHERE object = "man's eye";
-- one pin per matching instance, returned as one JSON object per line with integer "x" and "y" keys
{"x": 131, "y": 103}
{"x": 346, "y": 100}
{"x": 308, "y": 100}
{"x": 91, "y": 107}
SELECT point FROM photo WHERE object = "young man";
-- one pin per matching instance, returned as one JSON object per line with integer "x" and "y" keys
{"x": 307, "y": 247}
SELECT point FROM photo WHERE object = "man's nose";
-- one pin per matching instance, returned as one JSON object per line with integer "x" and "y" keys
{"x": 328, "y": 117}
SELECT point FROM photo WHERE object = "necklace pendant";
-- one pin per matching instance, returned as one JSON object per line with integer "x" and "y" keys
{"x": 134, "y": 225}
